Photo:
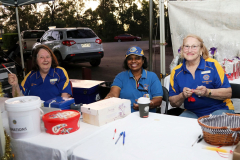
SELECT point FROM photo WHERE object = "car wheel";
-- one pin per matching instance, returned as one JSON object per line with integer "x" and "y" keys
{"x": 119, "y": 40}
{"x": 95, "y": 62}
{"x": 59, "y": 58}
{"x": 134, "y": 39}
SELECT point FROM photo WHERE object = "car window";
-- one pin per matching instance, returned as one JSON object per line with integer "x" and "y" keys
{"x": 57, "y": 35}
{"x": 32, "y": 34}
{"x": 81, "y": 33}
{"x": 46, "y": 36}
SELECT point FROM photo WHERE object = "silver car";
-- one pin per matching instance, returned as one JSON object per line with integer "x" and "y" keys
{"x": 73, "y": 45}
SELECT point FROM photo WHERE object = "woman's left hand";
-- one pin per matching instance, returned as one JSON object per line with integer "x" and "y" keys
{"x": 201, "y": 91}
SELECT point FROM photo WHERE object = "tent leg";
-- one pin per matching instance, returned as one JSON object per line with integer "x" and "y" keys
{"x": 20, "y": 41}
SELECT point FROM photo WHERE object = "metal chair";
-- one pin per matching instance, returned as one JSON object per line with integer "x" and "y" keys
{"x": 165, "y": 97}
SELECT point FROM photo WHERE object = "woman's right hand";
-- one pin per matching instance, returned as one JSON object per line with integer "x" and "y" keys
{"x": 12, "y": 79}
{"x": 187, "y": 92}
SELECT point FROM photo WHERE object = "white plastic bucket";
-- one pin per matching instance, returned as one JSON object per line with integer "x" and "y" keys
{"x": 24, "y": 116}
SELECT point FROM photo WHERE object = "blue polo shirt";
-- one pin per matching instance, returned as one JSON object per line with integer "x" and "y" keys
{"x": 209, "y": 73}
{"x": 55, "y": 83}
{"x": 129, "y": 86}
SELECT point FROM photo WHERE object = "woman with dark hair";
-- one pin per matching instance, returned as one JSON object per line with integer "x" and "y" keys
{"x": 47, "y": 80}
{"x": 137, "y": 82}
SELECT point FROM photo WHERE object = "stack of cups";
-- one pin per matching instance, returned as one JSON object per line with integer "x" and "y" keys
{"x": 143, "y": 103}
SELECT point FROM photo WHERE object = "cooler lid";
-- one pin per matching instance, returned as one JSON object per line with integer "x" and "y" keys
{"x": 66, "y": 115}
{"x": 84, "y": 83}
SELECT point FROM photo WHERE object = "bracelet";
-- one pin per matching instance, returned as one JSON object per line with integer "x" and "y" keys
{"x": 108, "y": 96}
{"x": 183, "y": 95}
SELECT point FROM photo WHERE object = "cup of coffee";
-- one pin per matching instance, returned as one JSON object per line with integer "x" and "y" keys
{"x": 143, "y": 103}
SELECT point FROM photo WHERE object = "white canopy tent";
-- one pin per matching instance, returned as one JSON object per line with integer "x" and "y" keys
{"x": 215, "y": 21}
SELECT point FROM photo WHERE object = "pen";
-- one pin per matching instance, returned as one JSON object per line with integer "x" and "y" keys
{"x": 119, "y": 137}
{"x": 114, "y": 133}
{"x": 123, "y": 137}
{"x": 6, "y": 68}
{"x": 198, "y": 139}
{"x": 216, "y": 149}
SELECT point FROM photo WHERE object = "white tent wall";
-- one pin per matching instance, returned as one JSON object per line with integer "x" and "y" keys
{"x": 219, "y": 18}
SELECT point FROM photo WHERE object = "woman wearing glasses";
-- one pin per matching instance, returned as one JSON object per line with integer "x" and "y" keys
{"x": 199, "y": 82}
{"x": 137, "y": 82}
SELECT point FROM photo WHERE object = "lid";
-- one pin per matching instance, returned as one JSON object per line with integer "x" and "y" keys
{"x": 56, "y": 116}
{"x": 23, "y": 103}
{"x": 143, "y": 100}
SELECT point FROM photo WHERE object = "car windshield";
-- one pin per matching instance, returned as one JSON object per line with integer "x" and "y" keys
{"x": 81, "y": 33}
{"x": 33, "y": 34}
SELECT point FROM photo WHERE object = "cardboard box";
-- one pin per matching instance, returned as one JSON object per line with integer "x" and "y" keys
{"x": 105, "y": 111}
{"x": 85, "y": 91}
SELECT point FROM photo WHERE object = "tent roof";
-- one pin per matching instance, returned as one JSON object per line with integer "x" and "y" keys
{"x": 21, "y": 2}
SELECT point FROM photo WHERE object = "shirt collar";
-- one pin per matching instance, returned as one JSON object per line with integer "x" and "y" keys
{"x": 50, "y": 73}
{"x": 144, "y": 73}
{"x": 200, "y": 66}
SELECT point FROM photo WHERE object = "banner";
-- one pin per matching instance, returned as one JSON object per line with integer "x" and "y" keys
{"x": 216, "y": 22}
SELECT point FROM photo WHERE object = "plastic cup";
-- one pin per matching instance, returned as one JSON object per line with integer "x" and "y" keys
{"x": 143, "y": 103}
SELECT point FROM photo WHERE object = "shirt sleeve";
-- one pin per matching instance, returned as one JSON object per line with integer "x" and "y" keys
{"x": 118, "y": 80}
{"x": 156, "y": 87}
{"x": 64, "y": 83}
{"x": 221, "y": 80}
{"x": 173, "y": 86}
{"x": 25, "y": 86}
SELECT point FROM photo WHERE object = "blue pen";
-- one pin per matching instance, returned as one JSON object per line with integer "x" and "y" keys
{"x": 123, "y": 137}
{"x": 119, "y": 137}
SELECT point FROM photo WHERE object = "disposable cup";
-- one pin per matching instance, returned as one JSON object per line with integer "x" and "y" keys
{"x": 143, "y": 103}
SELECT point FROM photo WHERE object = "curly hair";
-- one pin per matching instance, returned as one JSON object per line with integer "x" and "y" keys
{"x": 35, "y": 66}
{"x": 205, "y": 53}
{"x": 144, "y": 66}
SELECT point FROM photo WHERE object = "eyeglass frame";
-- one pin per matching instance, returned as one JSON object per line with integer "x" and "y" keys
{"x": 192, "y": 47}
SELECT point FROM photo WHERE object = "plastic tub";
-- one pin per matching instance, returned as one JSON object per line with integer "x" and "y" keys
{"x": 24, "y": 116}
{"x": 61, "y": 122}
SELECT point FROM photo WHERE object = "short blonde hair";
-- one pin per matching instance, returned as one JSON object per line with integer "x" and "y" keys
{"x": 205, "y": 53}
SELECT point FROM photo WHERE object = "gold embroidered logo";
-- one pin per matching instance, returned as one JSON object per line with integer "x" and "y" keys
{"x": 206, "y": 77}
{"x": 33, "y": 84}
{"x": 133, "y": 49}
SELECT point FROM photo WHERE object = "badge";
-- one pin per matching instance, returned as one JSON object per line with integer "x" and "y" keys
{"x": 53, "y": 80}
{"x": 205, "y": 72}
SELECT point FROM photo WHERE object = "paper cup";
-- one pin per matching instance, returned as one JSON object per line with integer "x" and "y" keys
{"x": 143, "y": 103}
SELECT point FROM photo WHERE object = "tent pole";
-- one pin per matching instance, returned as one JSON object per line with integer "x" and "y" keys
{"x": 150, "y": 34}
{"x": 19, "y": 40}
{"x": 162, "y": 39}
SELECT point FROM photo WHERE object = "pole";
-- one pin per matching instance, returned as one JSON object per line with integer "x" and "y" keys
{"x": 162, "y": 38}
{"x": 19, "y": 38}
{"x": 150, "y": 34}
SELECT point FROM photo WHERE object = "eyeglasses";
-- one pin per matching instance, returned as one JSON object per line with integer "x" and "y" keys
{"x": 143, "y": 90}
{"x": 192, "y": 47}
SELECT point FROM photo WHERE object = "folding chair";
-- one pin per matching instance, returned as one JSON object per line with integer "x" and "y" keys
{"x": 165, "y": 98}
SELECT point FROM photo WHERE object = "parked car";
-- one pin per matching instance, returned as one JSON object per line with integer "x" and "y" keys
{"x": 73, "y": 45}
{"x": 126, "y": 37}
{"x": 29, "y": 38}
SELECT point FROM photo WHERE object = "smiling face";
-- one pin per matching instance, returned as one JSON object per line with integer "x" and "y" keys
{"x": 191, "y": 49}
{"x": 44, "y": 60}
{"x": 135, "y": 62}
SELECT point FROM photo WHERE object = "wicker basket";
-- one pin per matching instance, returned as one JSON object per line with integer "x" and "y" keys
{"x": 221, "y": 130}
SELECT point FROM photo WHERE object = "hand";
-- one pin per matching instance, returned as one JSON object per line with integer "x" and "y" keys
{"x": 135, "y": 106}
{"x": 201, "y": 91}
{"x": 187, "y": 92}
{"x": 12, "y": 79}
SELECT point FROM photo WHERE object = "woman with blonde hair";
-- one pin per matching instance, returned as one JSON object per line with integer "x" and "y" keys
{"x": 199, "y": 82}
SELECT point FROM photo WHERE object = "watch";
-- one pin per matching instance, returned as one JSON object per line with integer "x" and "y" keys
{"x": 209, "y": 92}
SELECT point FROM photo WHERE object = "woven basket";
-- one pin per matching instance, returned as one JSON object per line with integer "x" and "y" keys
{"x": 221, "y": 130}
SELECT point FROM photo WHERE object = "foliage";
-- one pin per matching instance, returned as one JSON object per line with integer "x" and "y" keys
{"x": 111, "y": 17}
{"x": 9, "y": 40}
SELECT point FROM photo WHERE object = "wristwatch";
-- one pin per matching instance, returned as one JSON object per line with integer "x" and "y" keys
{"x": 209, "y": 92}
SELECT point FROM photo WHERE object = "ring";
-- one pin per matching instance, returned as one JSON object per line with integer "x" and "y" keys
{"x": 200, "y": 93}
